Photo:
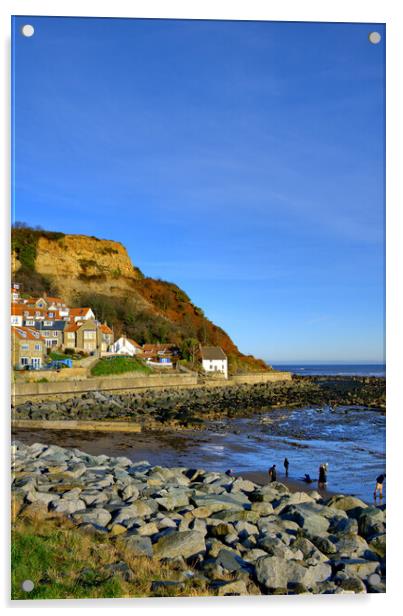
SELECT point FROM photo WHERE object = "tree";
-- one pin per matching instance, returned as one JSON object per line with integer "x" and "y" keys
{"x": 189, "y": 348}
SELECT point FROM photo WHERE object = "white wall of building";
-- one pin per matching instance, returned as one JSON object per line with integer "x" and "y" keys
{"x": 216, "y": 365}
{"x": 123, "y": 346}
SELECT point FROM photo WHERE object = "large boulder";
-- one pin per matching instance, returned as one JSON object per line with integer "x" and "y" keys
{"x": 378, "y": 544}
{"x": 219, "y": 502}
{"x": 186, "y": 544}
{"x": 243, "y": 485}
{"x": 67, "y": 505}
{"x": 358, "y": 567}
{"x": 371, "y": 522}
{"x": 350, "y": 504}
{"x": 307, "y": 517}
{"x": 274, "y": 572}
{"x": 231, "y": 561}
{"x": 98, "y": 517}
{"x": 138, "y": 545}
{"x": 137, "y": 509}
{"x": 173, "y": 501}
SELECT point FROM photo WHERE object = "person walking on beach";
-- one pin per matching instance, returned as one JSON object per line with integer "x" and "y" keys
{"x": 286, "y": 465}
{"x": 379, "y": 486}
{"x": 322, "y": 481}
{"x": 273, "y": 473}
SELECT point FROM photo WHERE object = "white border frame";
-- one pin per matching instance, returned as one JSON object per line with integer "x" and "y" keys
{"x": 381, "y": 11}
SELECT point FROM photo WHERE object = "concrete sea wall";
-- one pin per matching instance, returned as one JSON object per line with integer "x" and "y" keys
{"x": 262, "y": 377}
{"x": 22, "y": 392}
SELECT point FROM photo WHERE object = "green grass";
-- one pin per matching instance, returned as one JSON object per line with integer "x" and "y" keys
{"x": 55, "y": 356}
{"x": 119, "y": 365}
{"x": 66, "y": 563}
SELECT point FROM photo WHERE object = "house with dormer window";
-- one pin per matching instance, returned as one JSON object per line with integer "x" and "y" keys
{"x": 28, "y": 348}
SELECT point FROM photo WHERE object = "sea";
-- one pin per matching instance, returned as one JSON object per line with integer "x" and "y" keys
{"x": 333, "y": 369}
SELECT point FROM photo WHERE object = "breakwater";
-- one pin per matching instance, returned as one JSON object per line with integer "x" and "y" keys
{"x": 271, "y": 540}
{"x": 191, "y": 407}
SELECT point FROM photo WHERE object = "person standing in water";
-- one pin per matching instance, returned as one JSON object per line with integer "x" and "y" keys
{"x": 273, "y": 473}
{"x": 322, "y": 481}
{"x": 286, "y": 465}
{"x": 379, "y": 486}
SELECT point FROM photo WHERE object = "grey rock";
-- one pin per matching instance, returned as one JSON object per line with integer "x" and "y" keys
{"x": 67, "y": 506}
{"x": 138, "y": 545}
{"x": 230, "y": 561}
{"x": 274, "y": 572}
{"x": 137, "y": 509}
{"x": 172, "y": 501}
{"x": 98, "y": 517}
{"x": 378, "y": 544}
{"x": 221, "y": 502}
{"x": 186, "y": 544}
{"x": 238, "y": 587}
{"x": 371, "y": 522}
{"x": 306, "y": 517}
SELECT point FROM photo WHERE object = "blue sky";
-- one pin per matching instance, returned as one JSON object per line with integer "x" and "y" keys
{"x": 242, "y": 160}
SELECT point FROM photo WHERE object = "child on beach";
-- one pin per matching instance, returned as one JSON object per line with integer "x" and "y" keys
{"x": 379, "y": 486}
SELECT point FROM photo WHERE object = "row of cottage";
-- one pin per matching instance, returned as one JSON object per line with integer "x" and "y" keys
{"x": 44, "y": 324}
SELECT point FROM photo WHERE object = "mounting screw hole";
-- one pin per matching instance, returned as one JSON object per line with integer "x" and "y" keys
{"x": 374, "y": 38}
{"x": 28, "y": 30}
{"x": 27, "y": 585}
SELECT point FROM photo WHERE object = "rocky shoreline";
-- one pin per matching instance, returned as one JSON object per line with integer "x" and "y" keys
{"x": 207, "y": 524}
{"x": 191, "y": 408}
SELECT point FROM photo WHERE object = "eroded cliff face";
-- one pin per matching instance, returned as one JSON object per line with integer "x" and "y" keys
{"x": 78, "y": 263}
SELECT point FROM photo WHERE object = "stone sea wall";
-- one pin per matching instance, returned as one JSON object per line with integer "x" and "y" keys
{"x": 208, "y": 524}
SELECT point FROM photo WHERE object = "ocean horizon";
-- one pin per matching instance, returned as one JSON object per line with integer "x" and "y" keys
{"x": 332, "y": 369}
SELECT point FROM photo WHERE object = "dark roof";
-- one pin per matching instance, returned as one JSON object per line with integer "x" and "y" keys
{"x": 56, "y": 325}
{"x": 212, "y": 352}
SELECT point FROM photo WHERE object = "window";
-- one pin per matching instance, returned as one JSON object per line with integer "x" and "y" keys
{"x": 88, "y": 335}
{"x": 38, "y": 347}
{"x": 55, "y": 334}
{"x": 24, "y": 361}
{"x": 24, "y": 347}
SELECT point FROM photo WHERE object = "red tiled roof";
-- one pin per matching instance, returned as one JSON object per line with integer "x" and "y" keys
{"x": 25, "y": 333}
{"x": 158, "y": 347}
{"x": 72, "y": 327}
{"x": 57, "y": 300}
{"x": 17, "y": 308}
{"x": 78, "y": 312}
{"x": 23, "y": 309}
{"x": 105, "y": 329}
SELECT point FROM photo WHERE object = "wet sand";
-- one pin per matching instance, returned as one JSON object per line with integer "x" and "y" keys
{"x": 294, "y": 485}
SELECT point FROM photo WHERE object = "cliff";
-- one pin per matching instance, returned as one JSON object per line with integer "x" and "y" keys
{"x": 99, "y": 273}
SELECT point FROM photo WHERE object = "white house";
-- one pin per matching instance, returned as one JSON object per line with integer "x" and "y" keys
{"x": 214, "y": 360}
{"x": 125, "y": 346}
{"x": 80, "y": 314}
